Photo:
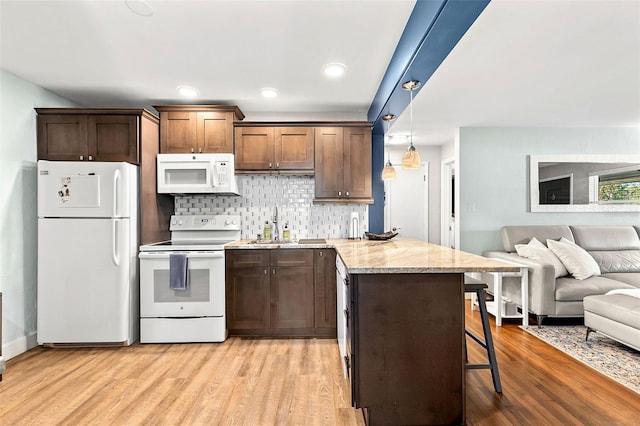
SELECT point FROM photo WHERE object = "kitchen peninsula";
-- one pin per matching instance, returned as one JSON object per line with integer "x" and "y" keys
{"x": 403, "y": 304}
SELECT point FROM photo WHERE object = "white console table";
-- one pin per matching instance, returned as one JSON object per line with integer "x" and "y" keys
{"x": 495, "y": 307}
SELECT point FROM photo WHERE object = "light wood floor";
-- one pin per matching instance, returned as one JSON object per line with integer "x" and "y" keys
{"x": 287, "y": 381}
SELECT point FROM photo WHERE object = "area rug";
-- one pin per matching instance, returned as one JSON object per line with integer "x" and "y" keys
{"x": 601, "y": 353}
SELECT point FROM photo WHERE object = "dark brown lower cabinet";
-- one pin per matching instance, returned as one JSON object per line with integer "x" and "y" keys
{"x": 325, "y": 291}
{"x": 405, "y": 348}
{"x": 292, "y": 297}
{"x": 248, "y": 298}
{"x": 275, "y": 292}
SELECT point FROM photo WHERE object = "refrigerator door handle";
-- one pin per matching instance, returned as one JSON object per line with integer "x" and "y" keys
{"x": 116, "y": 179}
{"x": 114, "y": 243}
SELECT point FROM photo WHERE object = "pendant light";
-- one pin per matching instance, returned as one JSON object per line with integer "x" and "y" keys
{"x": 411, "y": 158}
{"x": 388, "y": 173}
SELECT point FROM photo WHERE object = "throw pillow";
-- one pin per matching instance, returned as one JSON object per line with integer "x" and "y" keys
{"x": 535, "y": 250}
{"x": 578, "y": 262}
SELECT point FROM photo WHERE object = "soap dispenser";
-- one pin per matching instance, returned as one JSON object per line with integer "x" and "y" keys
{"x": 267, "y": 230}
{"x": 286, "y": 234}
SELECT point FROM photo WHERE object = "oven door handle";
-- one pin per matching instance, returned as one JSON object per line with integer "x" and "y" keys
{"x": 190, "y": 254}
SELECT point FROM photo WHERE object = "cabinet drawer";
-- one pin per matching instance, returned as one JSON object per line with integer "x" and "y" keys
{"x": 247, "y": 258}
{"x": 292, "y": 257}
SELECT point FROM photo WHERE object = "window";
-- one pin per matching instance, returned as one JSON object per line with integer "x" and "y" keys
{"x": 615, "y": 186}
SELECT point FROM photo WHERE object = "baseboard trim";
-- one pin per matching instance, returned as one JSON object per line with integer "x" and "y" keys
{"x": 19, "y": 345}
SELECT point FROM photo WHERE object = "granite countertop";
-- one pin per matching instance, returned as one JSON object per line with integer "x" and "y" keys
{"x": 399, "y": 255}
{"x": 309, "y": 243}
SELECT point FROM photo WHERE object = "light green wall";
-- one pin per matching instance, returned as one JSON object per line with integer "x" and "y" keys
{"x": 18, "y": 215}
{"x": 494, "y": 177}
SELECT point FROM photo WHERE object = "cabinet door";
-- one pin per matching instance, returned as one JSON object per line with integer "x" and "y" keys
{"x": 62, "y": 137}
{"x": 178, "y": 132}
{"x": 292, "y": 297}
{"x": 325, "y": 288}
{"x": 254, "y": 148}
{"x": 328, "y": 162}
{"x": 215, "y": 132}
{"x": 294, "y": 148}
{"x": 113, "y": 138}
{"x": 247, "y": 289}
{"x": 357, "y": 162}
{"x": 247, "y": 297}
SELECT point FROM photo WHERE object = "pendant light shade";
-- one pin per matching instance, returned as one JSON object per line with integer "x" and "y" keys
{"x": 388, "y": 173}
{"x": 411, "y": 158}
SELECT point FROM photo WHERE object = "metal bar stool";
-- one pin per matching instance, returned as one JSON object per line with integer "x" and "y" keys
{"x": 472, "y": 285}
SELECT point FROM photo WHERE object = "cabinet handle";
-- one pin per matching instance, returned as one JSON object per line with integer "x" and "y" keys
{"x": 90, "y": 158}
{"x": 266, "y": 272}
{"x": 339, "y": 193}
{"x": 273, "y": 271}
{"x": 321, "y": 254}
{"x": 199, "y": 149}
{"x": 270, "y": 165}
{"x": 193, "y": 150}
{"x": 277, "y": 165}
{"x": 82, "y": 157}
{"x": 347, "y": 193}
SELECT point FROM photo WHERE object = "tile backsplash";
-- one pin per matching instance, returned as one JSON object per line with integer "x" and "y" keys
{"x": 293, "y": 195}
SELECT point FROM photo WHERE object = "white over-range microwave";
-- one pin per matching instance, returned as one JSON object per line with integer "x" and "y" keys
{"x": 196, "y": 174}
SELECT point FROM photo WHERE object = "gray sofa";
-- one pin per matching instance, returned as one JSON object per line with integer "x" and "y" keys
{"x": 616, "y": 250}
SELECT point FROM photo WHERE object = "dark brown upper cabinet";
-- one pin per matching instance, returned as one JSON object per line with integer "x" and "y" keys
{"x": 73, "y": 134}
{"x": 267, "y": 149}
{"x": 343, "y": 164}
{"x": 197, "y": 128}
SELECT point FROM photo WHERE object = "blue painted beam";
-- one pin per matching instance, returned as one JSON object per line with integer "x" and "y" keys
{"x": 432, "y": 31}
{"x": 422, "y": 17}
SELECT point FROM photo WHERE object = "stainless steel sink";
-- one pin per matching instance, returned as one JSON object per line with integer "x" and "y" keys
{"x": 312, "y": 241}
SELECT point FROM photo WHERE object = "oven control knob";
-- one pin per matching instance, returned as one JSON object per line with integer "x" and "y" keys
{"x": 179, "y": 222}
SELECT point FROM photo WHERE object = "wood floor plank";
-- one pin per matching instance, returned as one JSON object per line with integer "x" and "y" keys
{"x": 262, "y": 381}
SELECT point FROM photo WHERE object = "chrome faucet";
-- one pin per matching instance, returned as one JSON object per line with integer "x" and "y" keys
{"x": 276, "y": 231}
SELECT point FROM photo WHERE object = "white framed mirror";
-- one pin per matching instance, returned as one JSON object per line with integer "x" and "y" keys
{"x": 584, "y": 183}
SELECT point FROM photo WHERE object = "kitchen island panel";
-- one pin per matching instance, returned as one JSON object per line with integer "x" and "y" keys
{"x": 407, "y": 348}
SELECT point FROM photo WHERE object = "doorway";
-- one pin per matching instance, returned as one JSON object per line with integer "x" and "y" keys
{"x": 448, "y": 204}
{"x": 407, "y": 203}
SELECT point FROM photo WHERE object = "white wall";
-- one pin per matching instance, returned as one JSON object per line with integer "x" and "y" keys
{"x": 493, "y": 174}
{"x": 18, "y": 222}
{"x": 430, "y": 154}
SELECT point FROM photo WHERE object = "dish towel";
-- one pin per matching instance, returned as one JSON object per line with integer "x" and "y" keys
{"x": 178, "y": 271}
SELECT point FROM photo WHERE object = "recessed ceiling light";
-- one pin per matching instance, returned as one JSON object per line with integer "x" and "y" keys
{"x": 397, "y": 140}
{"x": 139, "y": 7}
{"x": 187, "y": 91}
{"x": 269, "y": 92}
{"x": 334, "y": 69}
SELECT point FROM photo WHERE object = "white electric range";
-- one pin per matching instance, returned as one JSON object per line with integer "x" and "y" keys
{"x": 197, "y": 313}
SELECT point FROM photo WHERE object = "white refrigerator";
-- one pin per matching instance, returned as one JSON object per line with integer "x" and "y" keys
{"x": 88, "y": 285}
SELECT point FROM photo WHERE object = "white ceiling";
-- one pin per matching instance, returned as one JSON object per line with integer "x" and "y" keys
{"x": 523, "y": 62}
{"x": 536, "y": 63}
{"x": 100, "y": 54}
